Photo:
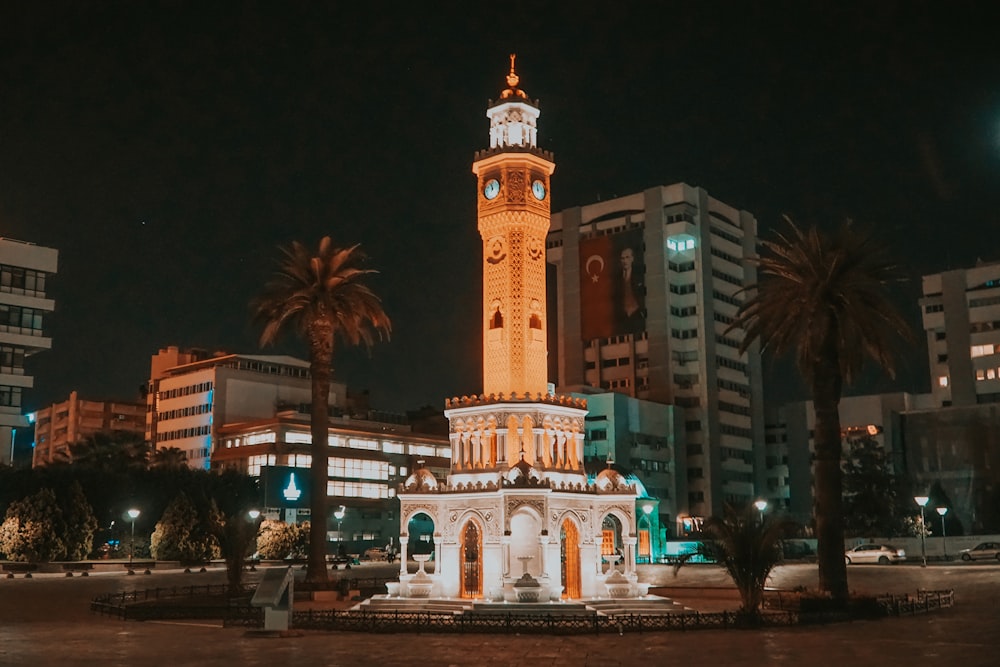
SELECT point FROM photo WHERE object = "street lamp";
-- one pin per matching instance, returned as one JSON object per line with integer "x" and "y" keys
{"x": 254, "y": 514}
{"x": 944, "y": 534}
{"x": 761, "y": 505}
{"x": 922, "y": 501}
{"x": 647, "y": 510}
{"x": 339, "y": 516}
{"x": 133, "y": 514}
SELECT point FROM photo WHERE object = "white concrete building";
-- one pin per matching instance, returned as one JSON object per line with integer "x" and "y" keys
{"x": 192, "y": 393}
{"x": 25, "y": 269}
{"x": 961, "y": 316}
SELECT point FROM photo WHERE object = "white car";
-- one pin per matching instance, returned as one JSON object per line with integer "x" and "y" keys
{"x": 882, "y": 554}
{"x": 982, "y": 550}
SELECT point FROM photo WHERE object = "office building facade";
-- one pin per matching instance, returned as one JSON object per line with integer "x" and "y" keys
{"x": 193, "y": 393}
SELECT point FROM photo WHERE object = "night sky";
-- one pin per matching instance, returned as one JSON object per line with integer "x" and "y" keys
{"x": 168, "y": 149}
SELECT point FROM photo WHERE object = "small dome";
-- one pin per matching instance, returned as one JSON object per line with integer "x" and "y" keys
{"x": 611, "y": 480}
{"x": 422, "y": 479}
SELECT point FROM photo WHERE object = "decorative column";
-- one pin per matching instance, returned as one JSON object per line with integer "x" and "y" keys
{"x": 543, "y": 541}
{"x": 437, "y": 553}
{"x": 630, "y": 543}
{"x": 505, "y": 552}
{"x": 404, "y": 542}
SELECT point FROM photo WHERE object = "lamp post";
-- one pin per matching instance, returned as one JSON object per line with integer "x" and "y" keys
{"x": 339, "y": 516}
{"x": 254, "y": 514}
{"x": 922, "y": 501}
{"x": 133, "y": 514}
{"x": 944, "y": 533}
{"x": 647, "y": 510}
{"x": 761, "y": 505}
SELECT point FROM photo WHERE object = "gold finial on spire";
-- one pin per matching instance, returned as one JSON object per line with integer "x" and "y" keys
{"x": 512, "y": 78}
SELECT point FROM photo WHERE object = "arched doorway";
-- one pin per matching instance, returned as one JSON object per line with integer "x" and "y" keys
{"x": 420, "y": 528}
{"x": 569, "y": 553}
{"x": 472, "y": 561}
{"x": 611, "y": 539}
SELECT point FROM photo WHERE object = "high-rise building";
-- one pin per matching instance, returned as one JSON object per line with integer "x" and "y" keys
{"x": 62, "y": 424}
{"x": 25, "y": 269}
{"x": 961, "y": 315}
{"x": 646, "y": 288}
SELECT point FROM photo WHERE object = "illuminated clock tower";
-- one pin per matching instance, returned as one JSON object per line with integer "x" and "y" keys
{"x": 513, "y": 175}
{"x": 517, "y": 501}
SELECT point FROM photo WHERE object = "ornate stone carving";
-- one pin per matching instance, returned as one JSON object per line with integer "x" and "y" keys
{"x": 515, "y": 186}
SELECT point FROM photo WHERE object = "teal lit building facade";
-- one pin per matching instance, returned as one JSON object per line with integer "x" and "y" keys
{"x": 642, "y": 439}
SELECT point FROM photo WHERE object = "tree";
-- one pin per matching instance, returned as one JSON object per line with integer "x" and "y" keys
{"x": 110, "y": 451}
{"x": 823, "y": 298}
{"x": 80, "y": 524}
{"x": 182, "y": 534}
{"x": 168, "y": 457}
{"x": 279, "y": 540}
{"x": 31, "y": 530}
{"x": 748, "y": 547}
{"x": 319, "y": 296}
{"x": 873, "y": 496}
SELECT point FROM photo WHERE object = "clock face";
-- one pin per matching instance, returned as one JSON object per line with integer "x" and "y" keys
{"x": 538, "y": 189}
{"x": 491, "y": 189}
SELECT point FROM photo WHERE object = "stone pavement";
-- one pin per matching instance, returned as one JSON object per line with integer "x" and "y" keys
{"x": 46, "y": 621}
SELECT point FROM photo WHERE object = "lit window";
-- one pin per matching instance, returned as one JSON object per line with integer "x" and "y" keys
{"x": 980, "y": 374}
{"x": 982, "y": 350}
{"x": 991, "y": 374}
{"x": 943, "y": 381}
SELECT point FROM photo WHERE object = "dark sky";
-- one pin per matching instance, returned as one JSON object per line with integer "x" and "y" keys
{"x": 167, "y": 149}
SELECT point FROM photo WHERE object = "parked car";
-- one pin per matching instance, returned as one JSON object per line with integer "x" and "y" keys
{"x": 376, "y": 553}
{"x": 982, "y": 550}
{"x": 882, "y": 554}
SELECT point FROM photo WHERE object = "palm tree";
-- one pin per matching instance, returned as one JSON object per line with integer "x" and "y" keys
{"x": 748, "y": 546}
{"x": 319, "y": 295}
{"x": 168, "y": 457}
{"x": 822, "y": 297}
{"x": 109, "y": 451}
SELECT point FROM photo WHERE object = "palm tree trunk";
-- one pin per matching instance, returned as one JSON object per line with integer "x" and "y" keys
{"x": 320, "y": 367}
{"x": 829, "y": 515}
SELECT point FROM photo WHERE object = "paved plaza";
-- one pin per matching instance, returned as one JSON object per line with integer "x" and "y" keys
{"x": 46, "y": 621}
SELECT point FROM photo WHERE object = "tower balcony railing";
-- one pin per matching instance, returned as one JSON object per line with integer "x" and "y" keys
{"x": 515, "y": 397}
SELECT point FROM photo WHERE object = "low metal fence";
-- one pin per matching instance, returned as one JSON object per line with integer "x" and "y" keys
{"x": 239, "y": 613}
{"x": 507, "y": 623}
{"x": 215, "y": 601}
{"x": 923, "y": 601}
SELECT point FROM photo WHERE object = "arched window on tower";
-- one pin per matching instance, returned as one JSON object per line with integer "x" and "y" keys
{"x": 535, "y": 322}
{"x": 496, "y": 322}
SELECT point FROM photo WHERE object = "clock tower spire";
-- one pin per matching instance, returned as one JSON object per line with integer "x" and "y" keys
{"x": 514, "y": 215}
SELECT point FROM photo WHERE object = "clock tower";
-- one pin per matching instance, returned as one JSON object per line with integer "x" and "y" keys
{"x": 517, "y": 502}
{"x": 514, "y": 214}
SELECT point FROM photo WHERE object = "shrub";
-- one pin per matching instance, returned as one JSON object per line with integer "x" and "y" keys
{"x": 32, "y": 529}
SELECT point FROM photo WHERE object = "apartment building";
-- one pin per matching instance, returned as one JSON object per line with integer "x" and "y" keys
{"x": 961, "y": 317}
{"x": 62, "y": 424}
{"x": 25, "y": 271}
